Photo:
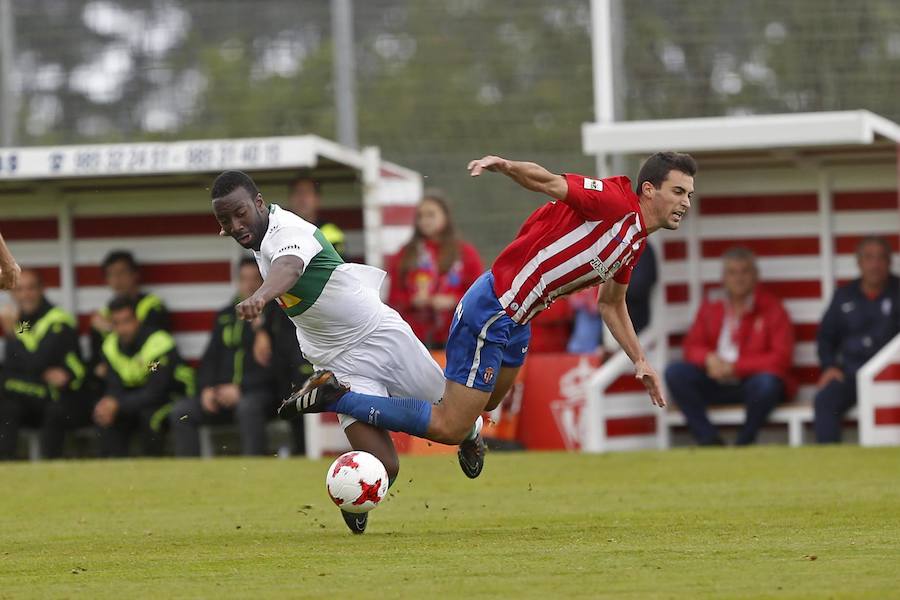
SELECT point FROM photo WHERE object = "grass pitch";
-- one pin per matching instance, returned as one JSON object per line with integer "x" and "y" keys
{"x": 762, "y": 522}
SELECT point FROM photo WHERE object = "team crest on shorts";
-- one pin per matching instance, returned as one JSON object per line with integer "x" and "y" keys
{"x": 488, "y": 375}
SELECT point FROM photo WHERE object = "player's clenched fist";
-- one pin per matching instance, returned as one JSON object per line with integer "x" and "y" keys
{"x": 250, "y": 308}
{"x": 489, "y": 163}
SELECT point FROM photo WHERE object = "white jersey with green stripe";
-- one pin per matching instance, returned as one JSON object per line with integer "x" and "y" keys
{"x": 332, "y": 308}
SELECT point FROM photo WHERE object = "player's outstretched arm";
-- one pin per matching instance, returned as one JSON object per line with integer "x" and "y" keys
{"x": 283, "y": 274}
{"x": 9, "y": 269}
{"x": 614, "y": 313}
{"x": 529, "y": 175}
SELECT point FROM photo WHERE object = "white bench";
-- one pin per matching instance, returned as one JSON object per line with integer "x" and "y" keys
{"x": 794, "y": 415}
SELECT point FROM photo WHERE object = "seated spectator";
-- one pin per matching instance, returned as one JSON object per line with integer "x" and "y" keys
{"x": 432, "y": 272}
{"x": 233, "y": 385}
{"x": 40, "y": 385}
{"x": 304, "y": 199}
{"x": 587, "y": 327}
{"x": 738, "y": 350}
{"x": 123, "y": 278}
{"x": 863, "y": 316}
{"x": 144, "y": 375}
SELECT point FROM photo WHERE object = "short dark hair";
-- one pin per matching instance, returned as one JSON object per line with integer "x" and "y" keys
{"x": 656, "y": 168}
{"x": 247, "y": 261}
{"x": 124, "y": 256}
{"x": 305, "y": 176}
{"x": 122, "y": 302}
{"x": 878, "y": 241}
{"x": 228, "y": 181}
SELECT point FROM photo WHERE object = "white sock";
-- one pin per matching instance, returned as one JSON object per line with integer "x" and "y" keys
{"x": 476, "y": 428}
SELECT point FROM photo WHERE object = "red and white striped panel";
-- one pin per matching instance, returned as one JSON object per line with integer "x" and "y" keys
{"x": 182, "y": 259}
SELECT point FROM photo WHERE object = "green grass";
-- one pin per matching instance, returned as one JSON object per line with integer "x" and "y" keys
{"x": 681, "y": 524}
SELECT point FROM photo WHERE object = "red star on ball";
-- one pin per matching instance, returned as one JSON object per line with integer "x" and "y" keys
{"x": 345, "y": 461}
{"x": 369, "y": 492}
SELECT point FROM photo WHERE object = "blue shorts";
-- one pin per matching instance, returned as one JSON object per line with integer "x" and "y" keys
{"x": 483, "y": 338}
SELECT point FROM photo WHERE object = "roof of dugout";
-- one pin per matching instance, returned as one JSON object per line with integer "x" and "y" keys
{"x": 821, "y": 138}
{"x": 141, "y": 161}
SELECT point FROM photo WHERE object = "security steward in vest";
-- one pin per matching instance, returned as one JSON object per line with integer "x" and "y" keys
{"x": 145, "y": 375}
{"x": 122, "y": 275}
{"x": 41, "y": 382}
{"x": 233, "y": 386}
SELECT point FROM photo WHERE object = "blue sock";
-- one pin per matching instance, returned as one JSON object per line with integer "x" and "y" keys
{"x": 409, "y": 415}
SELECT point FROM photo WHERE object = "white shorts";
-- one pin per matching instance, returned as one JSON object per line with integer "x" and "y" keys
{"x": 390, "y": 361}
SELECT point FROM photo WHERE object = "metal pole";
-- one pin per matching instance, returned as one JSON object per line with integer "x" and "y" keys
{"x": 7, "y": 93}
{"x": 602, "y": 58}
{"x": 344, "y": 72}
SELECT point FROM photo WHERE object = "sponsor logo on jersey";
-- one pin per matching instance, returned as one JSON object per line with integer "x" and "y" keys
{"x": 601, "y": 269}
{"x": 593, "y": 184}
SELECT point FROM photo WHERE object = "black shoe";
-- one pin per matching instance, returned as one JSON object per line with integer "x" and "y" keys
{"x": 356, "y": 521}
{"x": 320, "y": 391}
{"x": 471, "y": 456}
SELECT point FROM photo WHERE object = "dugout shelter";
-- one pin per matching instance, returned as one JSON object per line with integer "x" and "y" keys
{"x": 800, "y": 190}
{"x": 63, "y": 208}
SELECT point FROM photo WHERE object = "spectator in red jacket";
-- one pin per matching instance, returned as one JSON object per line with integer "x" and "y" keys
{"x": 738, "y": 350}
{"x": 432, "y": 271}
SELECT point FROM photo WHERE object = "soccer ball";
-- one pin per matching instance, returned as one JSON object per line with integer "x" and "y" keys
{"x": 357, "y": 482}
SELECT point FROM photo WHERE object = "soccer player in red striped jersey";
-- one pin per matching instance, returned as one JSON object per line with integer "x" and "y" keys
{"x": 591, "y": 233}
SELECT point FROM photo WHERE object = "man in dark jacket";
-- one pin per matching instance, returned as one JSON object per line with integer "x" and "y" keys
{"x": 144, "y": 375}
{"x": 40, "y": 385}
{"x": 863, "y": 316}
{"x": 233, "y": 385}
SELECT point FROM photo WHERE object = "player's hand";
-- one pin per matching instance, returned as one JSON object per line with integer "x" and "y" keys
{"x": 644, "y": 373}
{"x": 105, "y": 411}
{"x": 9, "y": 276}
{"x": 488, "y": 163}
{"x": 251, "y": 308}
{"x": 208, "y": 400}
{"x": 828, "y": 375}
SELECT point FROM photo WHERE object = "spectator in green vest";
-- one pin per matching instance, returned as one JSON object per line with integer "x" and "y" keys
{"x": 122, "y": 275}
{"x": 304, "y": 199}
{"x": 41, "y": 382}
{"x": 233, "y": 386}
{"x": 144, "y": 376}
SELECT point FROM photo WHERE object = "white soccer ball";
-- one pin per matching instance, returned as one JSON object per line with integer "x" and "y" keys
{"x": 357, "y": 482}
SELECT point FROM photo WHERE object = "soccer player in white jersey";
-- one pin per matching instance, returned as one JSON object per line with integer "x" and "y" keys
{"x": 592, "y": 233}
{"x": 342, "y": 324}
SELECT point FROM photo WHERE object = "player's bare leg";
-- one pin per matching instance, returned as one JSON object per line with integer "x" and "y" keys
{"x": 471, "y": 450}
{"x": 505, "y": 381}
{"x": 377, "y": 442}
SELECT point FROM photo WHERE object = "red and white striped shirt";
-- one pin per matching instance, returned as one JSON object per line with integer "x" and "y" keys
{"x": 595, "y": 233}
